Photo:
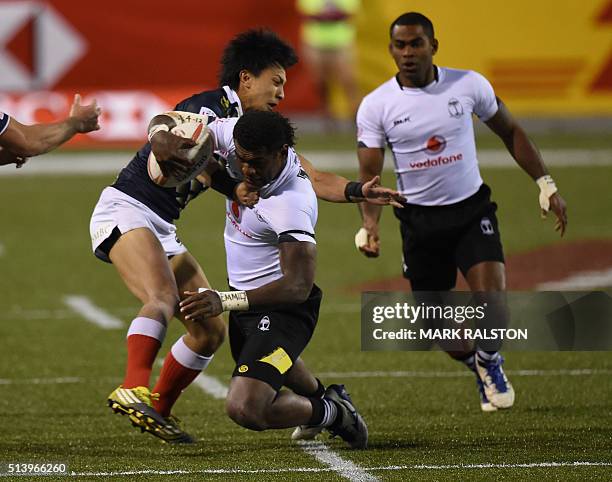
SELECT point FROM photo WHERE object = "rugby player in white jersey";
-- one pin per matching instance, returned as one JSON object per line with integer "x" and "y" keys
{"x": 424, "y": 115}
{"x": 274, "y": 303}
{"x": 20, "y": 141}
{"x": 133, "y": 227}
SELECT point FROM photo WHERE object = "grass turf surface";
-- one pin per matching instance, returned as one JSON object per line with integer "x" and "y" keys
{"x": 412, "y": 421}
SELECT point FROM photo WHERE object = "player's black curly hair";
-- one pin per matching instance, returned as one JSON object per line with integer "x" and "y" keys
{"x": 414, "y": 18}
{"x": 259, "y": 130}
{"x": 254, "y": 50}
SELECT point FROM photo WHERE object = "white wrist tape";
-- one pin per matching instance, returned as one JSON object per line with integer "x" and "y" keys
{"x": 234, "y": 300}
{"x": 547, "y": 189}
{"x": 361, "y": 238}
{"x": 231, "y": 300}
{"x": 157, "y": 128}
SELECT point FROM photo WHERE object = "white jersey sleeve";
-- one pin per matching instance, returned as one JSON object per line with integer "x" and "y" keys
{"x": 485, "y": 102}
{"x": 292, "y": 222}
{"x": 370, "y": 130}
{"x": 4, "y": 121}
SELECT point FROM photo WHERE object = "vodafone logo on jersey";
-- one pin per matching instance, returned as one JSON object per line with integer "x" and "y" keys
{"x": 436, "y": 144}
{"x": 37, "y": 46}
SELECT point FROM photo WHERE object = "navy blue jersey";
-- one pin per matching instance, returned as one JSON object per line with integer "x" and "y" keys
{"x": 134, "y": 179}
{"x": 4, "y": 121}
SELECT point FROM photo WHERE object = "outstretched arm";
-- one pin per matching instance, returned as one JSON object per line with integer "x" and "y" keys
{"x": 32, "y": 140}
{"x": 526, "y": 155}
{"x": 334, "y": 188}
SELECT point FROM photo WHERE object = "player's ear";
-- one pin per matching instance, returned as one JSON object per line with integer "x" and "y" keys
{"x": 245, "y": 78}
{"x": 434, "y": 46}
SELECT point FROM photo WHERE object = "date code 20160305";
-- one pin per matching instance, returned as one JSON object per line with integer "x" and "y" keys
{"x": 32, "y": 468}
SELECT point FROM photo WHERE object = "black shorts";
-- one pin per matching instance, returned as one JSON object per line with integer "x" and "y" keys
{"x": 266, "y": 343}
{"x": 436, "y": 240}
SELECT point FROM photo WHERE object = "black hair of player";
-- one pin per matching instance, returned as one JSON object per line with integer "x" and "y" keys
{"x": 254, "y": 50}
{"x": 414, "y": 18}
{"x": 260, "y": 130}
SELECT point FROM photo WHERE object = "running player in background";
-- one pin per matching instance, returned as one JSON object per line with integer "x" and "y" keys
{"x": 424, "y": 114}
{"x": 19, "y": 141}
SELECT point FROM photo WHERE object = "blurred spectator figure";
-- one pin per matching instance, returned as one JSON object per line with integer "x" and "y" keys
{"x": 328, "y": 34}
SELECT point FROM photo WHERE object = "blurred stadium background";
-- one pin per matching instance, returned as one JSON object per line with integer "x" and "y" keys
{"x": 550, "y": 61}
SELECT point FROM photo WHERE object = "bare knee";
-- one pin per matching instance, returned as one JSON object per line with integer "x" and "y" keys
{"x": 245, "y": 414}
{"x": 164, "y": 302}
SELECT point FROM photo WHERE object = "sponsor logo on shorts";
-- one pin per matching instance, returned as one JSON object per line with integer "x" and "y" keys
{"x": 264, "y": 324}
{"x": 279, "y": 359}
{"x": 455, "y": 109}
{"x": 243, "y": 368}
{"x": 486, "y": 226}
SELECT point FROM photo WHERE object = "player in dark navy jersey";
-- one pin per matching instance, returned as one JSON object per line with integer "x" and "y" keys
{"x": 132, "y": 227}
{"x": 19, "y": 141}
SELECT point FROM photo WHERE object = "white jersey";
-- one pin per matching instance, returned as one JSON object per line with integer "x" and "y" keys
{"x": 287, "y": 209}
{"x": 430, "y": 133}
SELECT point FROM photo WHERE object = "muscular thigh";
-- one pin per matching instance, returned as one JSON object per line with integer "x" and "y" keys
{"x": 141, "y": 262}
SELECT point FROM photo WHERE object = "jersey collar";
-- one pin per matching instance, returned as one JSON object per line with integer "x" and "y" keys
{"x": 232, "y": 96}
{"x": 438, "y": 74}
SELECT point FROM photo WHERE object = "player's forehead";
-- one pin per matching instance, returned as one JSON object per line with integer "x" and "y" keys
{"x": 247, "y": 155}
{"x": 407, "y": 33}
{"x": 274, "y": 71}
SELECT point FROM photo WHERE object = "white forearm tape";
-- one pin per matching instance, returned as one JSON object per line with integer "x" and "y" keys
{"x": 547, "y": 188}
{"x": 157, "y": 128}
{"x": 361, "y": 238}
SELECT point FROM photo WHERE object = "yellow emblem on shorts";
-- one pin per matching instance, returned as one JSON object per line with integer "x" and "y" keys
{"x": 243, "y": 368}
{"x": 278, "y": 359}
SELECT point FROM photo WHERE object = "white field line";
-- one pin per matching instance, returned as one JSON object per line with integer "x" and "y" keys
{"x": 420, "y": 467}
{"x": 584, "y": 280}
{"x": 40, "y": 381}
{"x": 318, "y": 450}
{"x": 59, "y": 314}
{"x": 465, "y": 373}
{"x": 211, "y": 386}
{"x": 325, "y": 456}
{"x": 84, "y": 307}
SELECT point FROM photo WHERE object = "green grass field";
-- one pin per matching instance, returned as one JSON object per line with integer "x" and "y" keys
{"x": 56, "y": 369}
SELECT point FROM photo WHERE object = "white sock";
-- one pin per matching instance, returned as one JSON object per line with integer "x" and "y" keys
{"x": 189, "y": 358}
{"x": 330, "y": 413}
{"x": 147, "y": 327}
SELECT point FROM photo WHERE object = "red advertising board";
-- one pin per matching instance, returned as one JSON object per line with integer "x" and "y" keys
{"x": 136, "y": 58}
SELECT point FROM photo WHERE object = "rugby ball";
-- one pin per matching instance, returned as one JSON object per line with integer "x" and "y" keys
{"x": 198, "y": 155}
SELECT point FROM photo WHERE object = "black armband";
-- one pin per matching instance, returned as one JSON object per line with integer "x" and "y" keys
{"x": 353, "y": 190}
{"x": 222, "y": 182}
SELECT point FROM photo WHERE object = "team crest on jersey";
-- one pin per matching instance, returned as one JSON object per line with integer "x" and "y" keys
{"x": 435, "y": 144}
{"x": 455, "y": 109}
